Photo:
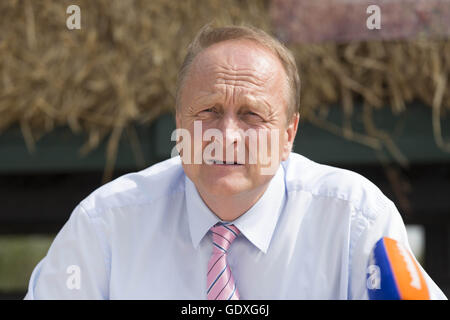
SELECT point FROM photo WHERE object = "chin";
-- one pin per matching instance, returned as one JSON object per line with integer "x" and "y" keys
{"x": 226, "y": 187}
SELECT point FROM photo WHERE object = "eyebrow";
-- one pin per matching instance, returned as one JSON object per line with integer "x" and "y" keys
{"x": 246, "y": 101}
{"x": 205, "y": 99}
{"x": 249, "y": 103}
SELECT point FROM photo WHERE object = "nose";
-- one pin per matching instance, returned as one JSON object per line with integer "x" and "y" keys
{"x": 230, "y": 129}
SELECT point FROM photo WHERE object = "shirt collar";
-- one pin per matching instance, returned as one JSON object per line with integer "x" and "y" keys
{"x": 257, "y": 224}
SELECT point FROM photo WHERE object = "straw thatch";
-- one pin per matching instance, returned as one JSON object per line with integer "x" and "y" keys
{"x": 121, "y": 68}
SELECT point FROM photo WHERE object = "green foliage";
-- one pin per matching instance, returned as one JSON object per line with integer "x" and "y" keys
{"x": 18, "y": 257}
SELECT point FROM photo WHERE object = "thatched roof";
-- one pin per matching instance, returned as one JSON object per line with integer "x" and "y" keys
{"x": 121, "y": 67}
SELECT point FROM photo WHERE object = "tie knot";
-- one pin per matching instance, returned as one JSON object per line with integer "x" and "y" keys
{"x": 223, "y": 236}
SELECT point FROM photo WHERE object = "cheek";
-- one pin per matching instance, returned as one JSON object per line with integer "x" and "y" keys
{"x": 186, "y": 142}
{"x": 270, "y": 140}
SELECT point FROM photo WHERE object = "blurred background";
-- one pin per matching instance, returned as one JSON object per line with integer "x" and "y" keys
{"x": 79, "y": 107}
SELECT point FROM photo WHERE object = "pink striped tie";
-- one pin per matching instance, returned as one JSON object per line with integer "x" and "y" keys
{"x": 220, "y": 281}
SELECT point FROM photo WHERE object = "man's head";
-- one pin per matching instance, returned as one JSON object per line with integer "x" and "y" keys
{"x": 236, "y": 80}
{"x": 209, "y": 36}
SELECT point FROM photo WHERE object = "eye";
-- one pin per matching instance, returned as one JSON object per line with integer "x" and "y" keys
{"x": 251, "y": 115}
{"x": 210, "y": 110}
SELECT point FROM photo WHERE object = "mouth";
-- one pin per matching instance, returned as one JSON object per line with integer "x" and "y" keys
{"x": 221, "y": 163}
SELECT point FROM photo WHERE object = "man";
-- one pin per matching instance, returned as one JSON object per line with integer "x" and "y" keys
{"x": 225, "y": 220}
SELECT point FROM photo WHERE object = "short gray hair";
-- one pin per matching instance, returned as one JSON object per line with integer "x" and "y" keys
{"x": 207, "y": 36}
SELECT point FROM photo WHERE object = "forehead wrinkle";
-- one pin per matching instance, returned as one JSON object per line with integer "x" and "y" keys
{"x": 237, "y": 95}
{"x": 230, "y": 65}
{"x": 239, "y": 98}
{"x": 242, "y": 76}
{"x": 234, "y": 84}
{"x": 219, "y": 73}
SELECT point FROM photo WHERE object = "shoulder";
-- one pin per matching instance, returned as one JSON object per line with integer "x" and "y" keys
{"x": 154, "y": 183}
{"x": 324, "y": 181}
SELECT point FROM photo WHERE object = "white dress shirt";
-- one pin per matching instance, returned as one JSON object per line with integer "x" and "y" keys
{"x": 146, "y": 235}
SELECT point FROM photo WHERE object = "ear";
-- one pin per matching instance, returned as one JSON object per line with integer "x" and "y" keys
{"x": 178, "y": 126}
{"x": 291, "y": 131}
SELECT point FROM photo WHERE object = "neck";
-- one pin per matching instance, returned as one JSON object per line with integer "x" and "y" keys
{"x": 231, "y": 207}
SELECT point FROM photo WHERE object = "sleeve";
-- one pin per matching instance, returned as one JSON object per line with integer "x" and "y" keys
{"x": 76, "y": 265}
{"x": 388, "y": 223}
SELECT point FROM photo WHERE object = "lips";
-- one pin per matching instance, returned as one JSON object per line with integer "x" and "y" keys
{"x": 220, "y": 162}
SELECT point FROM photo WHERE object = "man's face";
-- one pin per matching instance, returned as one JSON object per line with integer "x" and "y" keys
{"x": 235, "y": 86}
